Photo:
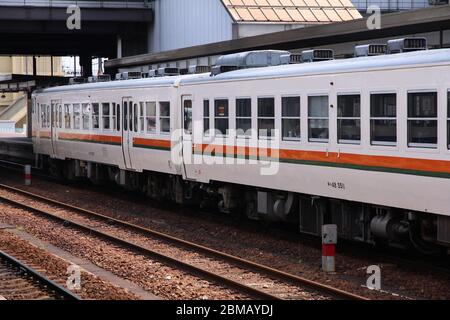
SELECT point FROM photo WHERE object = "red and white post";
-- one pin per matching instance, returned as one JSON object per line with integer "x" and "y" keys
{"x": 27, "y": 175}
{"x": 329, "y": 241}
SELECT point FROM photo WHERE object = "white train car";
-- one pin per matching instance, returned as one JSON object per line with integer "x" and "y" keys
{"x": 361, "y": 142}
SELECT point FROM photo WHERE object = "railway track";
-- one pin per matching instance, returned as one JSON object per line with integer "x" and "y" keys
{"x": 20, "y": 282}
{"x": 256, "y": 280}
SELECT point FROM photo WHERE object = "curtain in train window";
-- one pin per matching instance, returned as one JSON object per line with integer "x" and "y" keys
{"x": 383, "y": 119}
{"x": 187, "y": 116}
{"x": 106, "y": 112}
{"x": 349, "y": 119}
{"x": 221, "y": 116}
{"x": 244, "y": 117}
{"x": 86, "y": 113}
{"x": 164, "y": 116}
{"x": 95, "y": 116}
{"x": 76, "y": 116}
{"x": 318, "y": 121}
{"x": 150, "y": 110}
{"x": 67, "y": 117}
{"x": 266, "y": 117}
{"x": 290, "y": 115}
{"x": 422, "y": 120}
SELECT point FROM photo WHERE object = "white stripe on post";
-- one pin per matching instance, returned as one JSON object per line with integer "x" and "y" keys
{"x": 329, "y": 240}
{"x": 27, "y": 175}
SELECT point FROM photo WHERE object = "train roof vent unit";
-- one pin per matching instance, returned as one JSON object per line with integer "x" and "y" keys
{"x": 367, "y": 50}
{"x": 152, "y": 73}
{"x": 184, "y": 71}
{"x": 164, "y": 72}
{"x": 292, "y": 58}
{"x": 199, "y": 69}
{"x": 317, "y": 55}
{"x": 249, "y": 59}
{"x": 99, "y": 78}
{"x": 77, "y": 80}
{"x": 406, "y": 45}
{"x": 129, "y": 75}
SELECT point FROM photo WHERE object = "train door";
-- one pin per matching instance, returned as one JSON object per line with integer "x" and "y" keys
{"x": 55, "y": 118}
{"x": 187, "y": 142}
{"x": 127, "y": 129}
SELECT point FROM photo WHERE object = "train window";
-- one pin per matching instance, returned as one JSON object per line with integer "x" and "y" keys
{"x": 106, "y": 125}
{"x": 266, "y": 117}
{"x": 118, "y": 116}
{"x": 141, "y": 117}
{"x": 135, "y": 117}
{"x": 206, "y": 116}
{"x": 290, "y": 115}
{"x": 86, "y": 113}
{"x": 151, "y": 116}
{"x": 383, "y": 119}
{"x": 60, "y": 115}
{"x": 164, "y": 116}
{"x": 113, "y": 116}
{"x": 349, "y": 118}
{"x": 448, "y": 120}
{"x": 67, "y": 118}
{"x": 48, "y": 116}
{"x": 125, "y": 116}
{"x": 244, "y": 117}
{"x": 76, "y": 116}
{"x": 95, "y": 116}
{"x": 187, "y": 119}
{"x": 422, "y": 120}
{"x": 318, "y": 121}
{"x": 42, "y": 115}
{"x": 221, "y": 116}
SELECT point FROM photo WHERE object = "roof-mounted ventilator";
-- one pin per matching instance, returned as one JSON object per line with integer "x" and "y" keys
{"x": 198, "y": 69}
{"x": 406, "y": 45}
{"x": 99, "y": 78}
{"x": 367, "y": 50}
{"x": 166, "y": 72}
{"x": 291, "y": 58}
{"x": 77, "y": 80}
{"x": 129, "y": 75}
{"x": 249, "y": 59}
{"x": 317, "y": 55}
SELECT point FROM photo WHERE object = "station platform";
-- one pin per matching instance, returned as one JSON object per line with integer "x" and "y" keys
{"x": 16, "y": 147}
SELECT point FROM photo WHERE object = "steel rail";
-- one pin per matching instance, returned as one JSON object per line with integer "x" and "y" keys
{"x": 278, "y": 274}
{"x": 50, "y": 285}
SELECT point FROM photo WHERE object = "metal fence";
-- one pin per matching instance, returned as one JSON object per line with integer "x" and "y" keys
{"x": 83, "y": 3}
{"x": 391, "y": 5}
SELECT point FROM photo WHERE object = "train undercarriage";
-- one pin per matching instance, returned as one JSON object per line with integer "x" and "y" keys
{"x": 362, "y": 222}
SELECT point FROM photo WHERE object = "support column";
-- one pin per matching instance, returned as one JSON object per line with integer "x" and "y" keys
{"x": 86, "y": 65}
{"x": 119, "y": 47}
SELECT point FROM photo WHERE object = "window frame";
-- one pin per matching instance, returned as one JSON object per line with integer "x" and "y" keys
{"x": 227, "y": 117}
{"x": 207, "y": 132}
{"x": 422, "y": 146}
{"x": 97, "y": 104}
{"x": 102, "y": 115}
{"x": 317, "y": 140}
{"x": 68, "y": 116}
{"x": 243, "y": 136}
{"x": 299, "y": 139}
{"x": 273, "y": 118}
{"x": 384, "y": 143}
{"x": 86, "y": 115}
{"x": 340, "y": 118}
{"x": 161, "y": 117}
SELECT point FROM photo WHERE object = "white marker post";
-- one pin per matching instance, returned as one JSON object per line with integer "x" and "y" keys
{"x": 27, "y": 173}
{"x": 329, "y": 240}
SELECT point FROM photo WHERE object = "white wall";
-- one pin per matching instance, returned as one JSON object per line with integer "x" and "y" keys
{"x": 185, "y": 23}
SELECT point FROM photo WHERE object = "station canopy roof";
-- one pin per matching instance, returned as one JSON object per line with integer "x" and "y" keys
{"x": 291, "y": 11}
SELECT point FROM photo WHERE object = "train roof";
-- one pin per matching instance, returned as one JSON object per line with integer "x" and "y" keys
{"x": 390, "y": 61}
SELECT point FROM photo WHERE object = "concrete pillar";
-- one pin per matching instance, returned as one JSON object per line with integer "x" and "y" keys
{"x": 86, "y": 65}
{"x": 119, "y": 47}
